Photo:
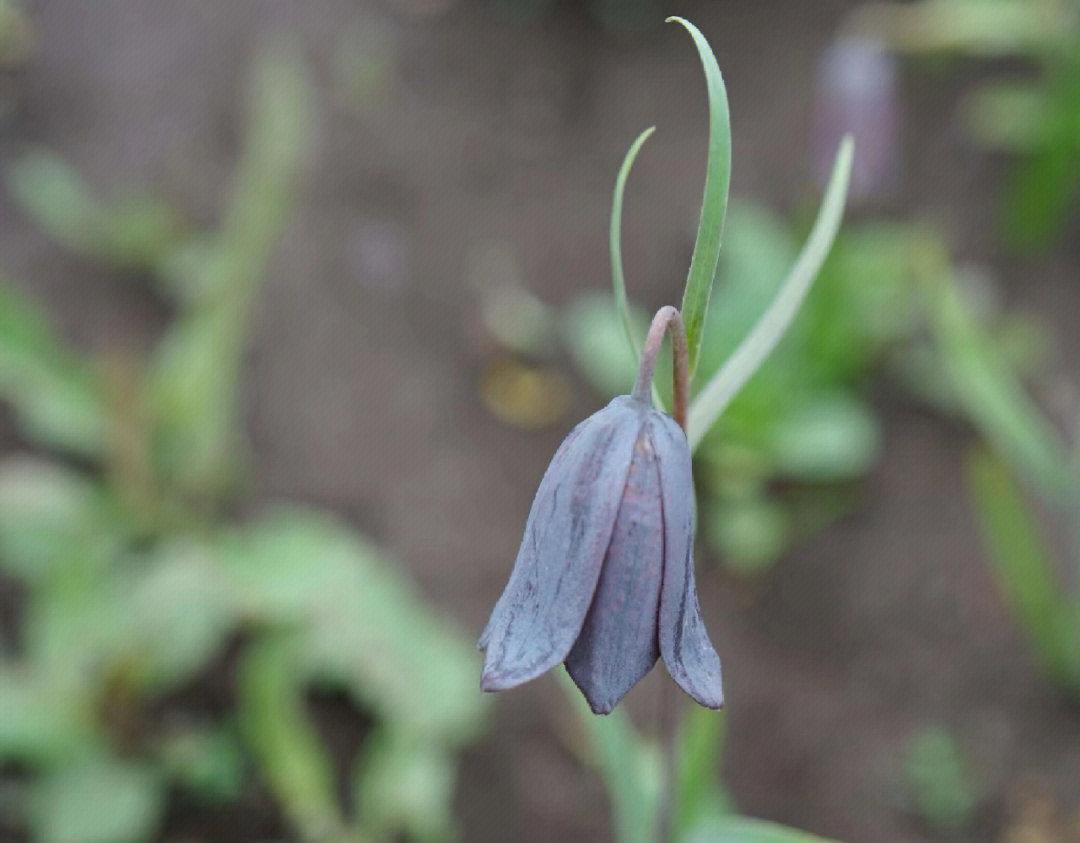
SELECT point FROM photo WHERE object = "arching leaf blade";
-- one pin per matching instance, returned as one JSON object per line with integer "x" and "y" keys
{"x": 618, "y": 279}
{"x": 699, "y": 280}
{"x": 766, "y": 333}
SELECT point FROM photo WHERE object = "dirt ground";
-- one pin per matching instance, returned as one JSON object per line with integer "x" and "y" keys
{"x": 362, "y": 392}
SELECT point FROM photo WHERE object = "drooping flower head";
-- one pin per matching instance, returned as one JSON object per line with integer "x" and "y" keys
{"x": 604, "y": 577}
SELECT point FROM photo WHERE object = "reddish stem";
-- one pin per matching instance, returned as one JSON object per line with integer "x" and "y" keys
{"x": 667, "y": 320}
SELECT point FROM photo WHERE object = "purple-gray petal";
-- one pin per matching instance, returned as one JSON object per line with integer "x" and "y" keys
{"x": 540, "y": 613}
{"x": 684, "y": 643}
{"x": 555, "y": 473}
{"x": 617, "y": 645}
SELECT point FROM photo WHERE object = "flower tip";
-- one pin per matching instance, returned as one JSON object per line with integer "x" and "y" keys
{"x": 492, "y": 681}
{"x": 714, "y": 700}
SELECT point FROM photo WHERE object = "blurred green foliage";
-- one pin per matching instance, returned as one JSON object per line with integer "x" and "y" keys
{"x": 783, "y": 459}
{"x": 138, "y": 589}
{"x": 686, "y": 799}
{"x": 975, "y": 372}
{"x": 1033, "y": 115}
{"x": 1038, "y": 581}
{"x": 939, "y": 786}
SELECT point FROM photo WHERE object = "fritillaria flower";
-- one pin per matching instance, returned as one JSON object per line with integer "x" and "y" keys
{"x": 604, "y": 578}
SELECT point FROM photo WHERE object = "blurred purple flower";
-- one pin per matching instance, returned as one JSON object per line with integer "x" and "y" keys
{"x": 857, "y": 92}
{"x": 604, "y": 577}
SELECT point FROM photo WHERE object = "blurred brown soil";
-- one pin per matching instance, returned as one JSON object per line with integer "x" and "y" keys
{"x": 362, "y": 388}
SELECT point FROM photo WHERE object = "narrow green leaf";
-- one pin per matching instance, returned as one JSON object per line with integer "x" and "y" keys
{"x": 1021, "y": 559}
{"x": 194, "y": 374}
{"x": 699, "y": 280}
{"x": 291, "y": 756}
{"x": 56, "y": 397}
{"x": 752, "y": 352}
{"x": 996, "y": 401}
{"x": 284, "y": 120}
{"x": 631, "y": 767}
{"x": 699, "y": 794}
{"x": 618, "y": 280}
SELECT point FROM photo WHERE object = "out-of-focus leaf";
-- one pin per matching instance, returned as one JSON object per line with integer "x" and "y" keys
{"x": 56, "y": 398}
{"x": 702, "y": 274}
{"x": 1040, "y": 194}
{"x": 366, "y": 630}
{"x": 279, "y": 734}
{"x": 977, "y": 27}
{"x": 195, "y": 373}
{"x": 58, "y": 199}
{"x": 141, "y": 230}
{"x": 833, "y": 437}
{"x": 98, "y": 800}
{"x": 519, "y": 319}
{"x": 996, "y": 402}
{"x": 699, "y": 795}
{"x": 732, "y": 828}
{"x": 732, "y": 469}
{"x": 405, "y": 786}
{"x": 864, "y": 303}
{"x": 50, "y": 518}
{"x": 195, "y": 394}
{"x": 17, "y": 37}
{"x": 73, "y": 629}
{"x": 207, "y": 761}
{"x": 41, "y": 723}
{"x": 749, "y": 533}
{"x": 940, "y": 786}
{"x": 1024, "y": 565}
{"x": 283, "y": 120}
{"x": 632, "y": 769}
{"x": 592, "y": 332}
{"x": 133, "y": 231}
{"x": 1007, "y": 116}
{"x": 185, "y": 273}
{"x": 183, "y": 608}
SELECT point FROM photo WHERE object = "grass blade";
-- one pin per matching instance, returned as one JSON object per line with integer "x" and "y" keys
{"x": 699, "y": 280}
{"x": 618, "y": 280}
{"x": 996, "y": 401}
{"x": 1021, "y": 558}
{"x": 630, "y": 767}
{"x": 762, "y": 339}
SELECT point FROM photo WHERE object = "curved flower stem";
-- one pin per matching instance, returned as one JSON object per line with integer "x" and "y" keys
{"x": 669, "y": 320}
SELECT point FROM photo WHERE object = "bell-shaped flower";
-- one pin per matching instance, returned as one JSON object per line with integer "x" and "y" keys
{"x": 604, "y": 578}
